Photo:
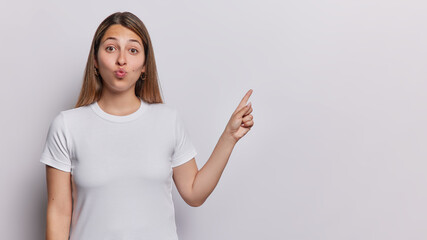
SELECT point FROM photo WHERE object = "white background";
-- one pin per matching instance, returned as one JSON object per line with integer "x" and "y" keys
{"x": 338, "y": 148}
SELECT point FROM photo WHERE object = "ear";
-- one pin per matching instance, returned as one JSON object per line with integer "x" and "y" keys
{"x": 95, "y": 62}
{"x": 143, "y": 69}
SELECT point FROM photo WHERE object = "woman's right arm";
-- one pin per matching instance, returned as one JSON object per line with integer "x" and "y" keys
{"x": 59, "y": 205}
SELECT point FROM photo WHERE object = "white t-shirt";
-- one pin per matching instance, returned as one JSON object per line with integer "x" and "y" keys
{"x": 121, "y": 169}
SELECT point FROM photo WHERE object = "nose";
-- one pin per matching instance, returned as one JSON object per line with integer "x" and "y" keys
{"x": 121, "y": 60}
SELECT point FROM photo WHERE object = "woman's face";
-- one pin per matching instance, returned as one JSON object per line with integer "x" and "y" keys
{"x": 120, "y": 58}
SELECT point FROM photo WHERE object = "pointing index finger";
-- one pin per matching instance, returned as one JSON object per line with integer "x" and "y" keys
{"x": 245, "y": 99}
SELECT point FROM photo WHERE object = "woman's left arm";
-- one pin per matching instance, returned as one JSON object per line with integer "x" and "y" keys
{"x": 195, "y": 185}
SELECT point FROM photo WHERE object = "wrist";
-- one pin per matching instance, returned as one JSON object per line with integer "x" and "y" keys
{"x": 227, "y": 137}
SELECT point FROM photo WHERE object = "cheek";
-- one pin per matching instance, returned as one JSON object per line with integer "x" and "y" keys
{"x": 105, "y": 59}
{"x": 137, "y": 67}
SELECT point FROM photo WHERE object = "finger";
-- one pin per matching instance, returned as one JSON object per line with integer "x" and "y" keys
{"x": 244, "y": 100}
{"x": 249, "y": 123}
{"x": 249, "y": 111}
{"x": 244, "y": 110}
{"x": 248, "y": 118}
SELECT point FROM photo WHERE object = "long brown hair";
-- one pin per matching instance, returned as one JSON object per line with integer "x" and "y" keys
{"x": 148, "y": 89}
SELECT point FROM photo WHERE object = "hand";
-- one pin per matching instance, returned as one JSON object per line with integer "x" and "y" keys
{"x": 241, "y": 120}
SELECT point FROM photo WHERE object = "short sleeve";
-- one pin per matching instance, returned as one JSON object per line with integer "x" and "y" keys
{"x": 56, "y": 152}
{"x": 184, "y": 149}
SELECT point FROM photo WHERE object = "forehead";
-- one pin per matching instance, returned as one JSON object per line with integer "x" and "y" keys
{"x": 118, "y": 31}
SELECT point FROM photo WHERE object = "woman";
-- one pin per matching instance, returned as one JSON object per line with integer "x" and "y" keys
{"x": 110, "y": 161}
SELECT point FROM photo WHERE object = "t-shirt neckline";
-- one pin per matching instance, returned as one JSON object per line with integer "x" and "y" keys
{"x": 116, "y": 118}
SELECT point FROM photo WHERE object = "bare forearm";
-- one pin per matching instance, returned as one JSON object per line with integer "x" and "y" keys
{"x": 208, "y": 176}
{"x": 57, "y": 225}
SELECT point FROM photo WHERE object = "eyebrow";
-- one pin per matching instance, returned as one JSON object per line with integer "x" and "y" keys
{"x": 130, "y": 40}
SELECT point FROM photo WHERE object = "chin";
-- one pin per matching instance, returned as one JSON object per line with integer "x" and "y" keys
{"x": 118, "y": 85}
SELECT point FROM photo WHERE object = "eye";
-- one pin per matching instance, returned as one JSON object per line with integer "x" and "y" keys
{"x": 136, "y": 51}
{"x": 109, "y": 47}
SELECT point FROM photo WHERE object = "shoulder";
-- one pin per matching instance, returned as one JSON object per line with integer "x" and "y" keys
{"x": 163, "y": 109}
{"x": 75, "y": 113}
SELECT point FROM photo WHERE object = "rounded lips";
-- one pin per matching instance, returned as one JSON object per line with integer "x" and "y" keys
{"x": 121, "y": 73}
